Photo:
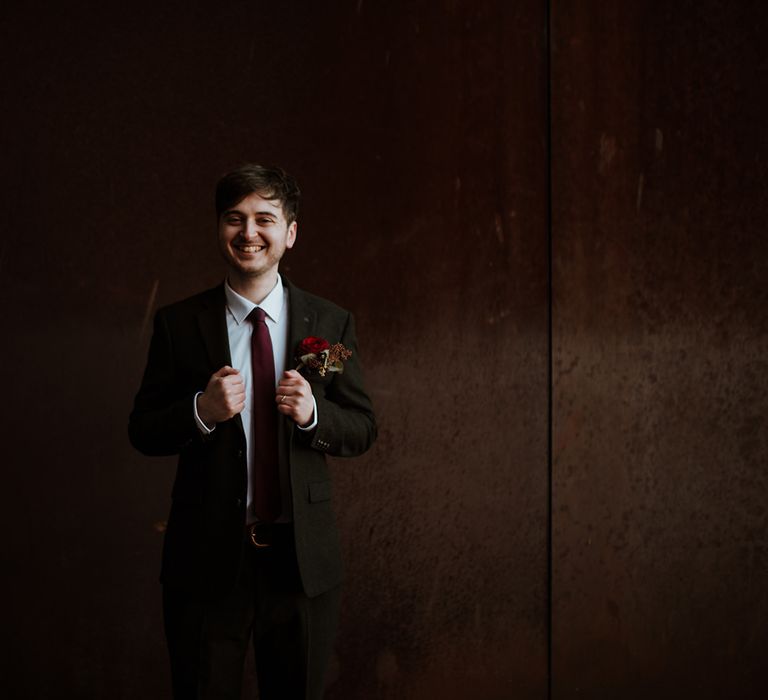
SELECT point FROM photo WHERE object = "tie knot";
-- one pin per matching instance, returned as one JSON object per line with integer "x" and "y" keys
{"x": 257, "y": 315}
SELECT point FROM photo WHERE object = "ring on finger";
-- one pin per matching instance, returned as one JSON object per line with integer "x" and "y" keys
{"x": 282, "y": 398}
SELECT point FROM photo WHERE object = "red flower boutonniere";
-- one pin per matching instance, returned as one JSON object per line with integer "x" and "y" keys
{"x": 318, "y": 354}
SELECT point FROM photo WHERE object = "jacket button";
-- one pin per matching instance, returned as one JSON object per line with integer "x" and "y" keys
{"x": 239, "y": 454}
{"x": 239, "y": 502}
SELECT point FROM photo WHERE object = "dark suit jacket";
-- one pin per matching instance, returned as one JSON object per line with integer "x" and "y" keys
{"x": 204, "y": 539}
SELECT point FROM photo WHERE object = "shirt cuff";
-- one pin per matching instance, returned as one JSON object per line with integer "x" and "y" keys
{"x": 202, "y": 427}
{"x": 312, "y": 425}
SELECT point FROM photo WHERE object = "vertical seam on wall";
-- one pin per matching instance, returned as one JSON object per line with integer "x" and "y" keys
{"x": 548, "y": 110}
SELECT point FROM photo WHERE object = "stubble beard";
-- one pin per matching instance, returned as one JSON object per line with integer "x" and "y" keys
{"x": 242, "y": 273}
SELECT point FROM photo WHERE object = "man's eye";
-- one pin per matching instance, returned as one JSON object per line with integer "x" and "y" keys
{"x": 265, "y": 221}
{"x": 233, "y": 221}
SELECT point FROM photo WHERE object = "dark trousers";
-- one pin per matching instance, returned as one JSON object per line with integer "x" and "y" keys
{"x": 292, "y": 634}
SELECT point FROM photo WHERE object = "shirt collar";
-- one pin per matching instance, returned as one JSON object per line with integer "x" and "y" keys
{"x": 240, "y": 307}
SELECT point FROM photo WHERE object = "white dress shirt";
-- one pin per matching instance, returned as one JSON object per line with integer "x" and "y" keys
{"x": 239, "y": 330}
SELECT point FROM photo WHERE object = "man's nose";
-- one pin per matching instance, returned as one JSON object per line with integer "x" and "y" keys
{"x": 250, "y": 230}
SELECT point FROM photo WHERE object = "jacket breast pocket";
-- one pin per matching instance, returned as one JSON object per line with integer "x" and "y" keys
{"x": 318, "y": 383}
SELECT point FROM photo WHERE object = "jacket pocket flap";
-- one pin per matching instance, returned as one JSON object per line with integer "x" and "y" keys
{"x": 316, "y": 378}
{"x": 319, "y": 491}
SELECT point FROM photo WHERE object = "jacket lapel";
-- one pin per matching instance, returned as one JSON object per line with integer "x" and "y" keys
{"x": 212, "y": 321}
{"x": 302, "y": 322}
{"x": 213, "y": 325}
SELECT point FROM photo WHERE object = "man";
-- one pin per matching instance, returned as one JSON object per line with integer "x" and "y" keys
{"x": 251, "y": 553}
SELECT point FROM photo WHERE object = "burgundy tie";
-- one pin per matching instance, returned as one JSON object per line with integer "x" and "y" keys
{"x": 266, "y": 471}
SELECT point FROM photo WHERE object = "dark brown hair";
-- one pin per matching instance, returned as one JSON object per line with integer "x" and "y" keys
{"x": 269, "y": 182}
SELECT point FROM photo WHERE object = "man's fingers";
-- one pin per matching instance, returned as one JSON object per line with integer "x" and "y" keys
{"x": 226, "y": 371}
{"x": 292, "y": 378}
{"x": 236, "y": 395}
{"x": 233, "y": 380}
{"x": 286, "y": 390}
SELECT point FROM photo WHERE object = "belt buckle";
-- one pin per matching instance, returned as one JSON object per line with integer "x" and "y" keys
{"x": 255, "y": 538}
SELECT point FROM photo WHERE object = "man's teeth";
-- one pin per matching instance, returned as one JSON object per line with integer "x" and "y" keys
{"x": 251, "y": 248}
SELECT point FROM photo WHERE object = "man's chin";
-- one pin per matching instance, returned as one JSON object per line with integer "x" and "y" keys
{"x": 250, "y": 273}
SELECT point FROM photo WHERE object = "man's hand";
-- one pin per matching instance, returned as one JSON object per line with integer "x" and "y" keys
{"x": 294, "y": 397}
{"x": 223, "y": 398}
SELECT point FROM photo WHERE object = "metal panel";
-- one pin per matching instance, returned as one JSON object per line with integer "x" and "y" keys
{"x": 418, "y": 134}
{"x": 661, "y": 379}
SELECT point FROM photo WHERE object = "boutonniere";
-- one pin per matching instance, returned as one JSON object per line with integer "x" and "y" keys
{"x": 318, "y": 354}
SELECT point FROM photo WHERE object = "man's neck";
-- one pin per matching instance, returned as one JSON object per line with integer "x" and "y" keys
{"x": 254, "y": 289}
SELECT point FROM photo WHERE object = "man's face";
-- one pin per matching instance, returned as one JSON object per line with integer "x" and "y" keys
{"x": 253, "y": 235}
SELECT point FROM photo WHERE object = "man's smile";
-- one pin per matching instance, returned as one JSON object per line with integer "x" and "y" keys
{"x": 250, "y": 248}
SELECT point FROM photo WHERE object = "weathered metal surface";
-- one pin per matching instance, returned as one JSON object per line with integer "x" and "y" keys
{"x": 418, "y": 135}
{"x": 661, "y": 262}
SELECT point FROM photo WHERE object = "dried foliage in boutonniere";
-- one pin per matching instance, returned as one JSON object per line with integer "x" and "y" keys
{"x": 318, "y": 354}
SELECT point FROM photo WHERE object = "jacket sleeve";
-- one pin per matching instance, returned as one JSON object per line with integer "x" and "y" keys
{"x": 162, "y": 421}
{"x": 346, "y": 426}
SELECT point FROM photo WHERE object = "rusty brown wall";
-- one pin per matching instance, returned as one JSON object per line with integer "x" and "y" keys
{"x": 659, "y": 201}
{"x": 418, "y": 133}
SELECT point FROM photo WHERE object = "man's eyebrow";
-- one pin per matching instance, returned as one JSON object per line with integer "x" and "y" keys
{"x": 237, "y": 212}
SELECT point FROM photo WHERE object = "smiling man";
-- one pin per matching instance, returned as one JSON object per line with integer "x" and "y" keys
{"x": 251, "y": 553}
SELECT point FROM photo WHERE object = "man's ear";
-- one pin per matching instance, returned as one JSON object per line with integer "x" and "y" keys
{"x": 291, "y": 238}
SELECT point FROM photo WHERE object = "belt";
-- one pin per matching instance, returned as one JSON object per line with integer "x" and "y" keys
{"x": 263, "y": 535}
